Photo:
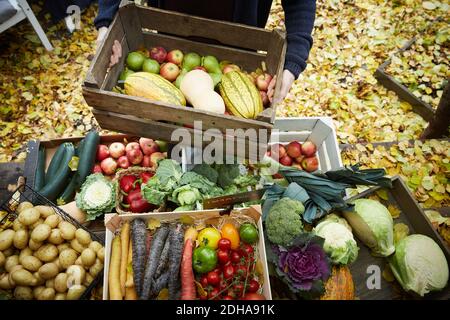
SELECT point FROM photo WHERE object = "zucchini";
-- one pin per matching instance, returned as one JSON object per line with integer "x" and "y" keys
{"x": 87, "y": 157}
{"x": 79, "y": 148}
{"x": 56, "y": 185}
{"x": 69, "y": 192}
{"x": 39, "y": 177}
{"x": 54, "y": 163}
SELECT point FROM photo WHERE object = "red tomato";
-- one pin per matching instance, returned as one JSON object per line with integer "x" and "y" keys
{"x": 204, "y": 281}
{"x": 214, "y": 294}
{"x": 247, "y": 250}
{"x": 228, "y": 271}
{"x": 223, "y": 285}
{"x": 213, "y": 278}
{"x": 217, "y": 270}
{"x": 223, "y": 256}
{"x": 203, "y": 297}
{"x": 238, "y": 289}
{"x": 235, "y": 256}
{"x": 224, "y": 244}
{"x": 253, "y": 286}
{"x": 241, "y": 271}
{"x": 253, "y": 296}
{"x": 228, "y": 298}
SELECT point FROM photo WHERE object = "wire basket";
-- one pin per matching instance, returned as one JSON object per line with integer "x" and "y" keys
{"x": 26, "y": 193}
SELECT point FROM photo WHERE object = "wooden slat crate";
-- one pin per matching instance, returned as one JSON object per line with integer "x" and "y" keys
{"x": 138, "y": 26}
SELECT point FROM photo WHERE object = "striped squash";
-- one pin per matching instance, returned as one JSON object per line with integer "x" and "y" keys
{"x": 154, "y": 87}
{"x": 240, "y": 95}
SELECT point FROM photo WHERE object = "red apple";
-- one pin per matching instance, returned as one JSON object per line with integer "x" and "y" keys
{"x": 299, "y": 159}
{"x": 109, "y": 166}
{"x": 200, "y": 68}
{"x": 278, "y": 151}
{"x": 175, "y": 56}
{"x": 146, "y": 162}
{"x": 123, "y": 162}
{"x": 294, "y": 149}
{"x": 155, "y": 157}
{"x": 116, "y": 150}
{"x": 230, "y": 67}
{"x": 262, "y": 81}
{"x": 102, "y": 152}
{"x": 159, "y": 54}
{"x": 169, "y": 71}
{"x": 132, "y": 146}
{"x": 297, "y": 165}
{"x": 135, "y": 156}
{"x": 148, "y": 146}
{"x": 310, "y": 164}
{"x": 97, "y": 169}
{"x": 264, "y": 98}
{"x": 286, "y": 161}
{"x": 309, "y": 149}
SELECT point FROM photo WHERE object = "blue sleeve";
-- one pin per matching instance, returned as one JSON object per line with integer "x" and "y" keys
{"x": 107, "y": 9}
{"x": 299, "y": 20}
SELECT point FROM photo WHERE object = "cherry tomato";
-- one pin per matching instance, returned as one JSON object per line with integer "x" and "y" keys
{"x": 217, "y": 270}
{"x": 224, "y": 244}
{"x": 241, "y": 271}
{"x": 253, "y": 286}
{"x": 228, "y": 271}
{"x": 223, "y": 285}
{"x": 247, "y": 250}
{"x": 203, "y": 297}
{"x": 253, "y": 296}
{"x": 223, "y": 256}
{"x": 238, "y": 289}
{"x": 204, "y": 281}
{"x": 227, "y": 297}
{"x": 213, "y": 278}
{"x": 235, "y": 256}
{"x": 214, "y": 294}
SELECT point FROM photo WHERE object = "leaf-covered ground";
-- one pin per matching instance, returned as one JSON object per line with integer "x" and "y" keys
{"x": 40, "y": 92}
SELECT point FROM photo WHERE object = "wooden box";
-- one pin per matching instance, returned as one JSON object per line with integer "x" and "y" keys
{"x": 138, "y": 26}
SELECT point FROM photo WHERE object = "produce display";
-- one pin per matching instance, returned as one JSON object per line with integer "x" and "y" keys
{"x": 295, "y": 154}
{"x": 44, "y": 257}
{"x": 205, "y": 83}
{"x": 210, "y": 259}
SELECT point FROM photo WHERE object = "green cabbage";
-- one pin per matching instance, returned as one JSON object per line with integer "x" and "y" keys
{"x": 419, "y": 265}
{"x": 339, "y": 243}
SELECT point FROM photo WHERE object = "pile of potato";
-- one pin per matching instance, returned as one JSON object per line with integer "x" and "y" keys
{"x": 44, "y": 257}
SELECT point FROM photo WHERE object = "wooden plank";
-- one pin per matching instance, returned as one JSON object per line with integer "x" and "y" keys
{"x": 227, "y": 33}
{"x": 30, "y": 165}
{"x": 132, "y": 27}
{"x": 275, "y": 61}
{"x": 113, "y": 74}
{"x": 9, "y": 173}
{"x": 159, "y": 111}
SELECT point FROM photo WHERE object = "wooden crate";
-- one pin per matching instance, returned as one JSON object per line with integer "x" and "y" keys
{"x": 137, "y": 26}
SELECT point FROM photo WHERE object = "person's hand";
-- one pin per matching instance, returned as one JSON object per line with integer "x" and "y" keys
{"x": 116, "y": 53}
{"x": 286, "y": 84}
{"x": 101, "y": 33}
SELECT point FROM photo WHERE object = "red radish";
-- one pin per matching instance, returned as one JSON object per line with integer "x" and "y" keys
{"x": 97, "y": 169}
{"x": 109, "y": 166}
{"x": 169, "y": 71}
{"x": 310, "y": 164}
{"x": 127, "y": 183}
{"x": 308, "y": 149}
{"x": 262, "y": 81}
{"x": 148, "y": 146}
{"x": 116, "y": 150}
{"x": 188, "y": 291}
{"x": 123, "y": 162}
{"x": 102, "y": 152}
{"x": 132, "y": 145}
{"x": 146, "y": 162}
{"x": 286, "y": 160}
{"x": 175, "y": 56}
{"x": 294, "y": 149}
{"x": 200, "y": 68}
{"x": 158, "y": 53}
{"x": 155, "y": 157}
{"x": 264, "y": 98}
{"x": 135, "y": 156}
{"x": 230, "y": 67}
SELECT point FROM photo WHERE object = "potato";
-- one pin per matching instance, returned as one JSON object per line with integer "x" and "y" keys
{"x": 50, "y": 283}
{"x": 37, "y": 223}
{"x": 78, "y": 262}
{"x": 2, "y": 259}
{"x": 60, "y": 296}
{"x": 67, "y": 230}
{"x": 14, "y": 269}
{"x": 29, "y": 216}
{"x": 55, "y": 237}
{"x": 63, "y": 247}
{"x": 47, "y": 252}
{"x": 58, "y": 264}
{"x": 9, "y": 252}
{"x": 96, "y": 268}
{"x": 45, "y": 211}
{"x": 33, "y": 245}
{"x": 25, "y": 253}
{"x": 31, "y": 263}
{"x": 53, "y": 221}
{"x": 67, "y": 258}
{"x": 23, "y": 277}
{"x": 95, "y": 245}
{"x": 41, "y": 232}
{"x": 88, "y": 280}
{"x": 5, "y": 284}
{"x": 83, "y": 237}
{"x": 61, "y": 282}
{"x": 101, "y": 254}
{"x": 37, "y": 291}
{"x": 39, "y": 279}
{"x": 23, "y": 293}
{"x": 88, "y": 257}
{"x": 21, "y": 239}
{"x": 75, "y": 292}
{"x": 6, "y": 239}
{"x": 18, "y": 226}
{"x": 75, "y": 275}
{"x": 23, "y": 206}
{"x": 48, "y": 271}
{"x": 78, "y": 247}
{"x": 47, "y": 294}
{"x": 10, "y": 262}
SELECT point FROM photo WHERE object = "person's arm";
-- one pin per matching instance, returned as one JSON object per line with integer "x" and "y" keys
{"x": 107, "y": 9}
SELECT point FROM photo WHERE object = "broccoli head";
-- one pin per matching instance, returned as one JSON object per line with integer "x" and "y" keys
{"x": 284, "y": 222}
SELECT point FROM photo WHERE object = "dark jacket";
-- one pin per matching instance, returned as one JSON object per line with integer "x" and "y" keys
{"x": 299, "y": 20}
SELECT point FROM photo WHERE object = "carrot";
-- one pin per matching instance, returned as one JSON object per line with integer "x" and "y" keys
{"x": 175, "y": 253}
{"x": 187, "y": 274}
{"x": 114, "y": 270}
{"x": 129, "y": 280}
{"x": 125, "y": 239}
{"x": 138, "y": 237}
